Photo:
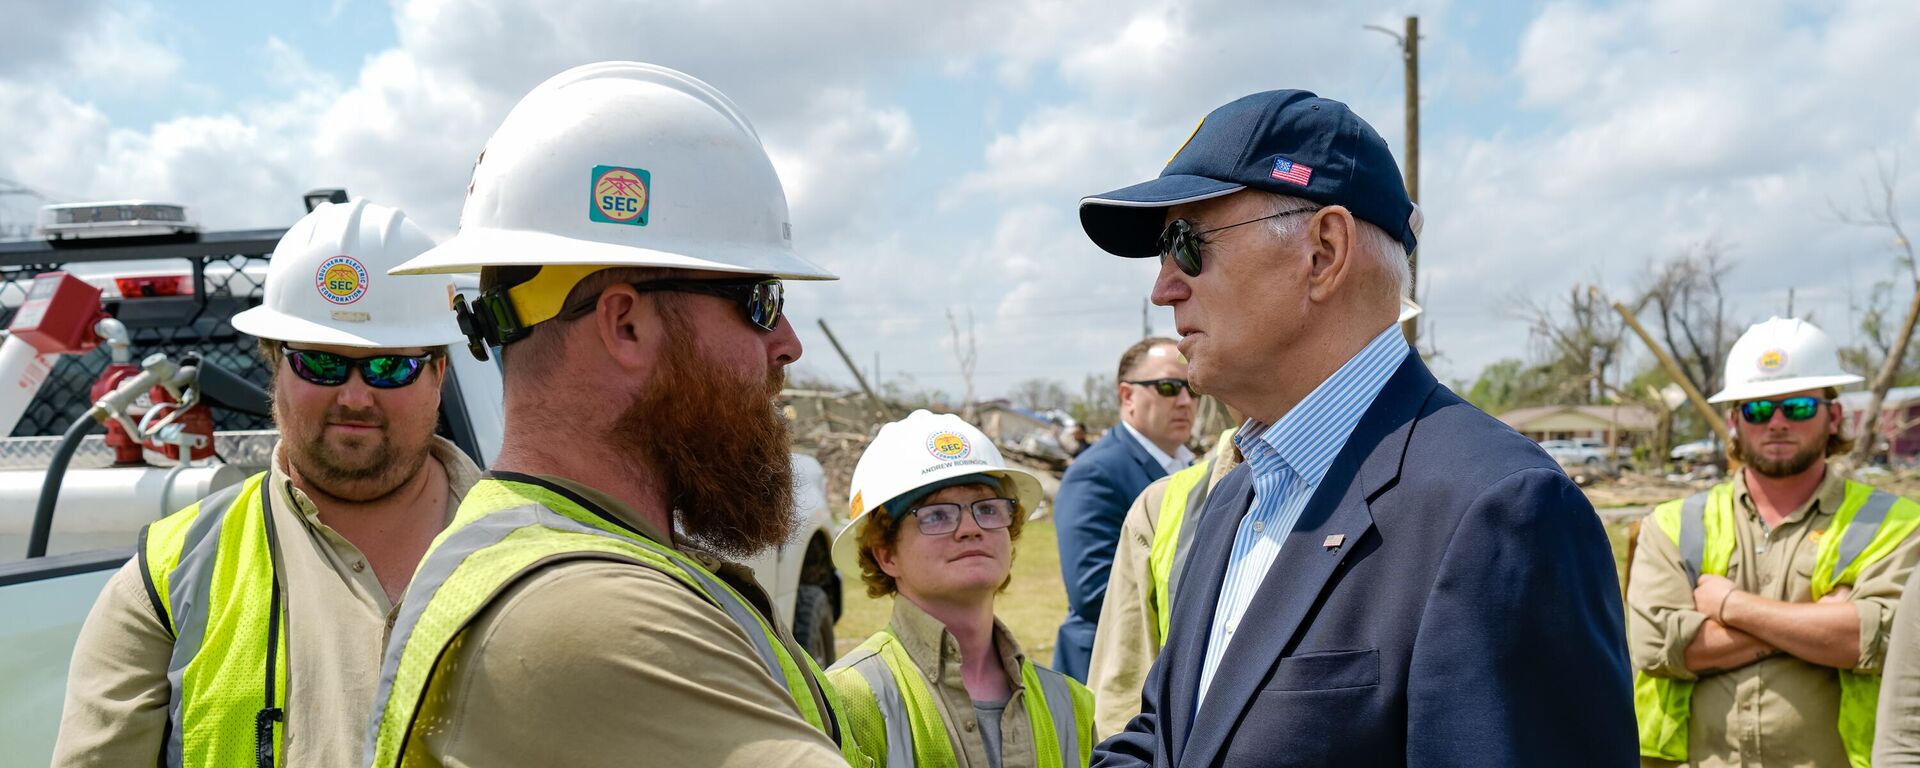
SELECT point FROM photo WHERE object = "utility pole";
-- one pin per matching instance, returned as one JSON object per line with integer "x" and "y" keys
{"x": 878, "y": 405}
{"x": 1146, "y": 326}
{"x": 1410, "y": 55}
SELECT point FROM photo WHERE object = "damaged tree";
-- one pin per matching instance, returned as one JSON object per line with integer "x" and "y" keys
{"x": 1882, "y": 211}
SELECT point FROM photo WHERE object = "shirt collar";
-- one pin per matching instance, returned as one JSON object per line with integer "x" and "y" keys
{"x": 1826, "y": 498}
{"x": 933, "y": 648}
{"x": 462, "y": 473}
{"x": 1309, "y": 437}
{"x": 1181, "y": 456}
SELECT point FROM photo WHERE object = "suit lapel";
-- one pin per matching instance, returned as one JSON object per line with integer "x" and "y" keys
{"x": 1139, "y": 453}
{"x": 1368, "y": 463}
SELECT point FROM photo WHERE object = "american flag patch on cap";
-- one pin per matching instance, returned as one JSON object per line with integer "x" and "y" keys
{"x": 1290, "y": 171}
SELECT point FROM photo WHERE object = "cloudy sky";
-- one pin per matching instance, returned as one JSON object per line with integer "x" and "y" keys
{"x": 933, "y": 154}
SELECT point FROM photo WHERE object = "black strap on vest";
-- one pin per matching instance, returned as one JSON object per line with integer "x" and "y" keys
{"x": 269, "y": 714}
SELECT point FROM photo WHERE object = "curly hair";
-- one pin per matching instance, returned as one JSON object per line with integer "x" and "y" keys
{"x": 883, "y": 529}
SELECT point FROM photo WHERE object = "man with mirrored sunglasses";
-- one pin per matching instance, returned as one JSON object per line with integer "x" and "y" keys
{"x": 247, "y": 630}
{"x": 1760, "y": 611}
{"x": 1150, "y": 442}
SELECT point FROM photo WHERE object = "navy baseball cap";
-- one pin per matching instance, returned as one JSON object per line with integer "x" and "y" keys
{"x": 1287, "y": 142}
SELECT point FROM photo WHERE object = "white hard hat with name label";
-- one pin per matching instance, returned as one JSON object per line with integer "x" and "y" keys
{"x": 328, "y": 283}
{"x": 923, "y": 449}
{"x": 1781, "y": 356}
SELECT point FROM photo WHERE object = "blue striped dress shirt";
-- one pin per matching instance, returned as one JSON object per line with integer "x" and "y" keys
{"x": 1288, "y": 460}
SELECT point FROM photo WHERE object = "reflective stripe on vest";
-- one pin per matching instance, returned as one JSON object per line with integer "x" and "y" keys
{"x": 894, "y": 713}
{"x": 506, "y": 529}
{"x": 1868, "y": 526}
{"x": 1185, "y": 490}
{"x": 209, "y": 569}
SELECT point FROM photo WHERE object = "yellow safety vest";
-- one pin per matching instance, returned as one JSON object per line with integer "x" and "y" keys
{"x": 891, "y": 710}
{"x": 1186, "y": 489}
{"x": 510, "y": 525}
{"x": 1868, "y": 526}
{"x": 209, "y": 572}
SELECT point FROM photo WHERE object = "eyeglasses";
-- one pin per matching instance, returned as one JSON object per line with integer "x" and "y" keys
{"x": 944, "y": 518}
{"x": 761, "y": 298}
{"x": 1166, "y": 387}
{"x": 1796, "y": 408}
{"x": 379, "y": 371}
{"x": 1182, "y": 242}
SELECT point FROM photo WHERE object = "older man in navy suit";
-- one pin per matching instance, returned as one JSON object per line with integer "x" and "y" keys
{"x": 1392, "y": 577}
{"x": 1156, "y": 416}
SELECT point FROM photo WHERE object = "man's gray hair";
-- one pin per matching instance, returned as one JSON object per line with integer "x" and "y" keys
{"x": 1374, "y": 240}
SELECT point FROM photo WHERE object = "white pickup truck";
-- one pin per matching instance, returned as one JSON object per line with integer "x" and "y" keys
{"x": 101, "y": 508}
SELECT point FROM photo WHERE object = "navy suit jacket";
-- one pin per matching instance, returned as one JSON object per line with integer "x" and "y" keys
{"x": 1094, "y": 496}
{"x": 1448, "y": 597}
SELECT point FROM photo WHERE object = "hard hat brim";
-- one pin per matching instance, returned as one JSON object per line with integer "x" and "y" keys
{"x": 266, "y": 323}
{"x": 846, "y": 543}
{"x": 475, "y": 249}
{"x": 1758, "y": 389}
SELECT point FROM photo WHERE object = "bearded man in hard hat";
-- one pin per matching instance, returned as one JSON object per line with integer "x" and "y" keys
{"x": 1759, "y": 610}
{"x": 577, "y": 610}
{"x": 247, "y": 629}
{"x": 935, "y": 514}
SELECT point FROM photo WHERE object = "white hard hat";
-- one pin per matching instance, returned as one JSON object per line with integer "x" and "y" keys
{"x": 621, "y": 163}
{"x": 328, "y": 284}
{"x": 920, "y": 450}
{"x": 1780, "y": 356}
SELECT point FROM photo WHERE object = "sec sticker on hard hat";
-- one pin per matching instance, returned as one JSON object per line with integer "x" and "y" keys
{"x": 1772, "y": 360}
{"x": 620, "y": 195}
{"x": 949, "y": 446}
{"x": 341, "y": 280}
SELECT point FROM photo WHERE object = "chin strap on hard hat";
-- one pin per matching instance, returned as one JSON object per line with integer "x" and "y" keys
{"x": 504, "y": 314}
{"x": 480, "y": 327}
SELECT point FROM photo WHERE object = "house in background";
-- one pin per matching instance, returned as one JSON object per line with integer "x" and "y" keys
{"x": 1899, "y": 422}
{"x": 1632, "y": 424}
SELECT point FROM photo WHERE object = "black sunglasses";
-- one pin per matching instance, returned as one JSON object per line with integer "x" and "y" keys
{"x": 1182, "y": 242}
{"x": 1166, "y": 387}
{"x": 944, "y": 518}
{"x": 761, "y": 298}
{"x": 1796, "y": 408}
{"x": 379, "y": 371}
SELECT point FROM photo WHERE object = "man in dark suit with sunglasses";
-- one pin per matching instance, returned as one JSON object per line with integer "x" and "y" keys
{"x": 1156, "y": 417}
{"x": 1392, "y": 577}
{"x": 308, "y": 557}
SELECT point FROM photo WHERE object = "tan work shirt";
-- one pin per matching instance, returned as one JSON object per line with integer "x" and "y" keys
{"x": 1896, "y": 738}
{"x": 936, "y": 654}
{"x": 1128, "y": 638}
{"x": 1779, "y": 710}
{"x": 592, "y": 662}
{"x": 337, "y": 614}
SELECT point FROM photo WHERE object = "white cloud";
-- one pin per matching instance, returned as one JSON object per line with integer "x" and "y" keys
{"x": 1597, "y": 138}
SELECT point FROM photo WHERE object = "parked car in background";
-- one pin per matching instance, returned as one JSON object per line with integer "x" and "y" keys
{"x": 1697, "y": 452}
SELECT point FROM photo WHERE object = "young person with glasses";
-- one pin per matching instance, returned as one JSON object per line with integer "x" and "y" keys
{"x": 935, "y": 515}
{"x": 1760, "y": 610}
{"x": 247, "y": 630}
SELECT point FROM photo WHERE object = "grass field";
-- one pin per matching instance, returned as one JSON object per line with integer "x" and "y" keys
{"x": 1036, "y": 602}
